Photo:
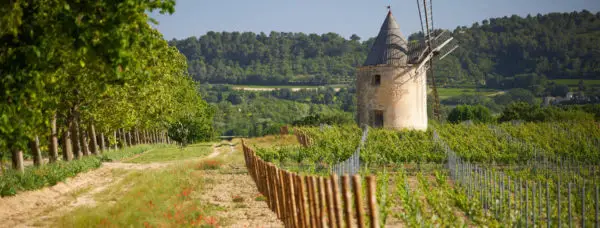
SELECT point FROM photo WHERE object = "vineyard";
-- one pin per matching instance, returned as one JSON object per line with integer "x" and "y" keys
{"x": 454, "y": 175}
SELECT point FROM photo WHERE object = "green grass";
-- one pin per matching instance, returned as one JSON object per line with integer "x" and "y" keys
{"x": 156, "y": 198}
{"x": 173, "y": 153}
{"x": 12, "y": 182}
{"x": 450, "y": 92}
{"x": 116, "y": 155}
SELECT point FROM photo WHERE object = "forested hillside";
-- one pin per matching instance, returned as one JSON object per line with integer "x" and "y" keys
{"x": 504, "y": 52}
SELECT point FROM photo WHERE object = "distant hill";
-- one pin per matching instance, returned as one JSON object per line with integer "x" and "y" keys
{"x": 499, "y": 52}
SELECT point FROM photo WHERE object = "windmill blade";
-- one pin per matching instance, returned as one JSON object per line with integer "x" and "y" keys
{"x": 447, "y": 53}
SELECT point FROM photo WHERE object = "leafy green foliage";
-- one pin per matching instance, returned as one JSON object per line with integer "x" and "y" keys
{"x": 263, "y": 115}
{"x": 477, "y": 114}
{"x": 191, "y": 129}
{"x": 526, "y": 112}
{"x": 13, "y": 182}
{"x": 336, "y": 118}
{"x": 335, "y": 144}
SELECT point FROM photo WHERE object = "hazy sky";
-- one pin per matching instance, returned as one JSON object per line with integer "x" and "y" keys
{"x": 345, "y": 17}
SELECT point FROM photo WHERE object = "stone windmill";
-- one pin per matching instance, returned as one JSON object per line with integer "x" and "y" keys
{"x": 392, "y": 83}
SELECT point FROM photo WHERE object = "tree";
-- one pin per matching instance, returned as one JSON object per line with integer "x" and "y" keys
{"x": 477, "y": 114}
{"x": 234, "y": 98}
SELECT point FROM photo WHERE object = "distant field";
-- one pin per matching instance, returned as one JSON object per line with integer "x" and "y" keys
{"x": 450, "y": 92}
{"x": 292, "y": 87}
{"x": 575, "y": 82}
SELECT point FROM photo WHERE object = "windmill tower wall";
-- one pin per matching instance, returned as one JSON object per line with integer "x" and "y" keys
{"x": 400, "y": 98}
{"x": 390, "y": 93}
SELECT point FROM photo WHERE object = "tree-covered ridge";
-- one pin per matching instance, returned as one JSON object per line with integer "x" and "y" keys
{"x": 555, "y": 45}
{"x": 506, "y": 52}
{"x": 277, "y": 58}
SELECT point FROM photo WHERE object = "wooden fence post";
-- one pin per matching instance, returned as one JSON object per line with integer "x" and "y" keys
{"x": 322, "y": 202}
{"x": 292, "y": 199}
{"x": 311, "y": 200}
{"x": 336, "y": 200}
{"x": 372, "y": 196}
{"x": 282, "y": 187}
{"x": 329, "y": 197}
{"x": 268, "y": 183}
{"x": 347, "y": 200}
{"x": 302, "y": 206}
{"x": 360, "y": 210}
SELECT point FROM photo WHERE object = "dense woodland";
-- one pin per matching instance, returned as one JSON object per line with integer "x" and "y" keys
{"x": 503, "y": 52}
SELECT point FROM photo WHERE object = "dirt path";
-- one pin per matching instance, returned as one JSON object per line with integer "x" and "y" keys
{"x": 32, "y": 208}
{"x": 40, "y": 207}
{"x": 232, "y": 181}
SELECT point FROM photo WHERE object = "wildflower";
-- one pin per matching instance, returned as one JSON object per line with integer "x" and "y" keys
{"x": 211, "y": 221}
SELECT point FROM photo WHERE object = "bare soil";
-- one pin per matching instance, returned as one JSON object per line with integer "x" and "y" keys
{"x": 232, "y": 181}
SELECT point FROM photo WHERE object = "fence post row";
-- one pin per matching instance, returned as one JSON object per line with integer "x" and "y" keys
{"x": 313, "y": 201}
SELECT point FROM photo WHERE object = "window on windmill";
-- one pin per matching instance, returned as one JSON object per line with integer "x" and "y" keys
{"x": 377, "y": 118}
{"x": 377, "y": 80}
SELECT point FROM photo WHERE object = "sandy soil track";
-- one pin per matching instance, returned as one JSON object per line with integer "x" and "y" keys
{"x": 38, "y": 208}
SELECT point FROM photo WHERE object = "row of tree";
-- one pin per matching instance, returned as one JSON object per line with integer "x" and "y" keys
{"x": 505, "y": 52}
{"x": 77, "y": 72}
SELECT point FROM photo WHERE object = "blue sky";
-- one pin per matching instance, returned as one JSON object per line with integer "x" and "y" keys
{"x": 345, "y": 17}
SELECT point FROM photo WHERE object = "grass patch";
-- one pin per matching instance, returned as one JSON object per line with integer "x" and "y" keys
{"x": 210, "y": 164}
{"x": 173, "y": 153}
{"x": 450, "y": 92}
{"x": 116, "y": 155}
{"x": 270, "y": 141}
{"x": 12, "y": 182}
{"x": 575, "y": 82}
{"x": 260, "y": 197}
{"x": 157, "y": 198}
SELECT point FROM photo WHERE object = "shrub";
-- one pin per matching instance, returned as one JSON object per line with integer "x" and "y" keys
{"x": 477, "y": 113}
{"x": 533, "y": 113}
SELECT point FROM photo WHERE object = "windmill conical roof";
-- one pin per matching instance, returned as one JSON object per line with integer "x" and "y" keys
{"x": 390, "y": 46}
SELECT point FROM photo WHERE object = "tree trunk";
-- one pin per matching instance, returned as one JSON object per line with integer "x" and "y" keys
{"x": 116, "y": 142}
{"x": 93, "y": 142}
{"x": 34, "y": 145}
{"x": 75, "y": 139}
{"x": 67, "y": 143}
{"x": 1, "y": 165}
{"x": 102, "y": 145}
{"x": 145, "y": 136}
{"x": 83, "y": 141}
{"x": 137, "y": 136}
{"x": 53, "y": 140}
{"x": 123, "y": 140}
{"x": 128, "y": 138}
{"x": 17, "y": 160}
